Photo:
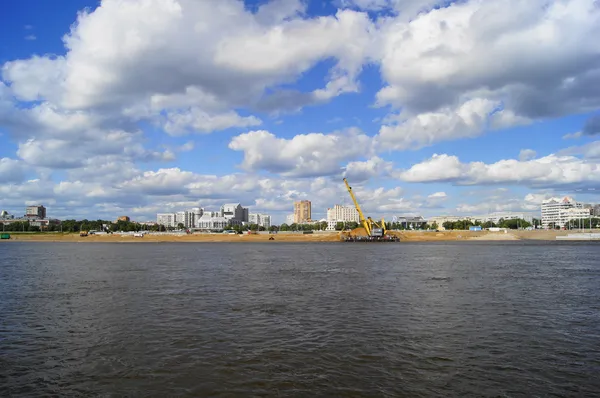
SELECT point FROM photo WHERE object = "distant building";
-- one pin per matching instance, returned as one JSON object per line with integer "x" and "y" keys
{"x": 234, "y": 211}
{"x": 411, "y": 222}
{"x": 5, "y": 216}
{"x": 555, "y": 211}
{"x": 506, "y": 215}
{"x": 167, "y": 219}
{"x": 289, "y": 219}
{"x": 262, "y": 220}
{"x": 440, "y": 220}
{"x": 302, "y": 211}
{"x": 124, "y": 218}
{"x": 197, "y": 212}
{"x": 212, "y": 221}
{"x": 340, "y": 213}
{"x": 35, "y": 211}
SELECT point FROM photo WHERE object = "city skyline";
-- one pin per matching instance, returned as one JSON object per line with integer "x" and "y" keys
{"x": 427, "y": 107}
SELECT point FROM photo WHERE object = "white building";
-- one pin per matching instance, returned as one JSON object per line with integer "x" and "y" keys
{"x": 234, "y": 211}
{"x": 289, "y": 219}
{"x": 167, "y": 219}
{"x": 213, "y": 223}
{"x": 554, "y": 211}
{"x": 263, "y": 220}
{"x": 340, "y": 213}
{"x": 196, "y": 212}
{"x": 506, "y": 215}
{"x": 574, "y": 214}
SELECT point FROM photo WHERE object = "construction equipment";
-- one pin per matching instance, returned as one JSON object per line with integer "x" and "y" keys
{"x": 372, "y": 227}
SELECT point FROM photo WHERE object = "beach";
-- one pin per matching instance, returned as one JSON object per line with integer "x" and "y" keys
{"x": 405, "y": 236}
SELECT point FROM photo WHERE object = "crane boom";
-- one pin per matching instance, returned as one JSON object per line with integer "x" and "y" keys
{"x": 361, "y": 216}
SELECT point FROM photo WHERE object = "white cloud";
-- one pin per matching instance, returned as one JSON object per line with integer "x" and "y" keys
{"x": 526, "y": 154}
{"x": 196, "y": 120}
{"x": 304, "y": 155}
{"x": 470, "y": 119}
{"x": 121, "y": 53}
{"x": 11, "y": 171}
{"x": 439, "y": 62}
{"x": 438, "y": 195}
{"x": 30, "y": 37}
{"x": 359, "y": 171}
{"x": 569, "y": 136}
{"x": 547, "y": 171}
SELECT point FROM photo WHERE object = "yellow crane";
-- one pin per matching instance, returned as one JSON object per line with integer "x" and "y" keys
{"x": 371, "y": 227}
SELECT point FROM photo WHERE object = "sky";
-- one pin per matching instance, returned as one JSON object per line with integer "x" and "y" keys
{"x": 427, "y": 107}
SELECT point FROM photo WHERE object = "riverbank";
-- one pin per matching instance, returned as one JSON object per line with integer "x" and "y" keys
{"x": 405, "y": 236}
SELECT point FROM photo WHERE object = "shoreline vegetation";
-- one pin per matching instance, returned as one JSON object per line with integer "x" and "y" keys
{"x": 405, "y": 236}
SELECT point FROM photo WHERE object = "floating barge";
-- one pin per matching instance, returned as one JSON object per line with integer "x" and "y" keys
{"x": 371, "y": 239}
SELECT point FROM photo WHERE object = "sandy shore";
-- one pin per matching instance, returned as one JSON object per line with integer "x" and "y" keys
{"x": 405, "y": 236}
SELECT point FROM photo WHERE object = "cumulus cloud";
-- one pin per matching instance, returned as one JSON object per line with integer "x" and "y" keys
{"x": 440, "y": 61}
{"x": 304, "y": 155}
{"x": 526, "y": 154}
{"x": 548, "y": 171}
{"x": 11, "y": 171}
{"x": 359, "y": 171}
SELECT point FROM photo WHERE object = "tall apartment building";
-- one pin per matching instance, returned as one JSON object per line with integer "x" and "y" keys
{"x": 302, "y": 211}
{"x": 558, "y": 212}
{"x": 35, "y": 211}
{"x": 263, "y": 220}
{"x": 167, "y": 219}
{"x": 340, "y": 213}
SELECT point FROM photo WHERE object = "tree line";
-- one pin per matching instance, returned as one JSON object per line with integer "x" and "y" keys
{"x": 517, "y": 223}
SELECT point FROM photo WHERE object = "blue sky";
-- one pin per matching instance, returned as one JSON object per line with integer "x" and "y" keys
{"x": 427, "y": 107}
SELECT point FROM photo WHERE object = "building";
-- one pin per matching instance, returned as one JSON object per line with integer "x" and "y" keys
{"x": 596, "y": 211}
{"x": 234, "y": 211}
{"x": 186, "y": 218}
{"x": 302, "y": 211}
{"x": 340, "y": 213}
{"x": 197, "y": 212}
{"x": 212, "y": 221}
{"x": 123, "y": 218}
{"x": 38, "y": 211}
{"x": 262, "y": 220}
{"x": 507, "y": 215}
{"x": 410, "y": 222}
{"x": 289, "y": 219}
{"x": 5, "y": 216}
{"x": 167, "y": 219}
{"x": 440, "y": 220}
{"x": 574, "y": 214}
{"x": 554, "y": 212}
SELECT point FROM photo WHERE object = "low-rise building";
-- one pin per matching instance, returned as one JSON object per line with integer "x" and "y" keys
{"x": 342, "y": 214}
{"x": 506, "y": 215}
{"x": 123, "y": 218}
{"x": 410, "y": 222}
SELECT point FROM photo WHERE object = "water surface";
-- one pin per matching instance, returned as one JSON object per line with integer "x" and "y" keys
{"x": 347, "y": 320}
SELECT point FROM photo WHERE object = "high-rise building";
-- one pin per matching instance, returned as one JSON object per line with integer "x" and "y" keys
{"x": 263, "y": 220}
{"x": 302, "y": 211}
{"x": 35, "y": 211}
{"x": 167, "y": 219}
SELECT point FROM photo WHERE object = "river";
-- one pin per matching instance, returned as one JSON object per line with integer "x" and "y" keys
{"x": 510, "y": 319}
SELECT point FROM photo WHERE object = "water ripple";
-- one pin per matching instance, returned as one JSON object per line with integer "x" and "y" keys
{"x": 294, "y": 320}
